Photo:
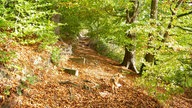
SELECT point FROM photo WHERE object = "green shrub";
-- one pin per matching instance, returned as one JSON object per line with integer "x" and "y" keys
{"x": 25, "y": 82}
{"x": 29, "y": 20}
{"x": 169, "y": 76}
{"x": 6, "y": 56}
{"x": 55, "y": 56}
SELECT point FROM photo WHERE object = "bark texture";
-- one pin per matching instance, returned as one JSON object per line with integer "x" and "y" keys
{"x": 56, "y": 18}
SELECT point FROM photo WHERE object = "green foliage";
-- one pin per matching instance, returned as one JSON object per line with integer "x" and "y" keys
{"x": 31, "y": 79}
{"x": 107, "y": 49}
{"x": 70, "y": 13}
{"x": 29, "y": 20}
{"x": 7, "y": 90}
{"x": 55, "y": 56}
{"x": 170, "y": 74}
{"x": 6, "y": 56}
{"x": 105, "y": 21}
{"x": 25, "y": 82}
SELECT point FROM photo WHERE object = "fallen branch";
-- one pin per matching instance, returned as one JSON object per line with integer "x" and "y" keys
{"x": 68, "y": 82}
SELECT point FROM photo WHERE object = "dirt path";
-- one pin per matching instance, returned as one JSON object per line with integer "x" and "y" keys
{"x": 91, "y": 89}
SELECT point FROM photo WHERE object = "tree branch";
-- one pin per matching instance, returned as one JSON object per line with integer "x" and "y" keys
{"x": 183, "y": 28}
{"x": 136, "y": 10}
{"x": 113, "y": 14}
{"x": 173, "y": 11}
{"x": 184, "y": 14}
{"x": 179, "y": 3}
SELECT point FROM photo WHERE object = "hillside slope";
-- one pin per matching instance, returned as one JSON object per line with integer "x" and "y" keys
{"x": 56, "y": 89}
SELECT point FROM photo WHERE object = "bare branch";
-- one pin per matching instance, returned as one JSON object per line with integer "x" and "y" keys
{"x": 113, "y": 14}
{"x": 127, "y": 16}
{"x": 184, "y": 14}
{"x": 179, "y": 3}
{"x": 172, "y": 11}
{"x": 185, "y": 29}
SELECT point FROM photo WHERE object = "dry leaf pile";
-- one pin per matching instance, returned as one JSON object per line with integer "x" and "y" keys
{"x": 57, "y": 89}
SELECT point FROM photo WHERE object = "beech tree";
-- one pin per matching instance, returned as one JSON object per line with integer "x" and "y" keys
{"x": 129, "y": 57}
{"x": 149, "y": 57}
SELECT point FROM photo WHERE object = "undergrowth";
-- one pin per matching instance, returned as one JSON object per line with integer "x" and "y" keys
{"x": 55, "y": 56}
{"x": 107, "y": 49}
{"x": 170, "y": 75}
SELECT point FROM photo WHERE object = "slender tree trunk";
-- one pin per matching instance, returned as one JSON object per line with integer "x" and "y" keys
{"x": 56, "y": 18}
{"x": 129, "y": 57}
{"x": 149, "y": 57}
{"x": 166, "y": 34}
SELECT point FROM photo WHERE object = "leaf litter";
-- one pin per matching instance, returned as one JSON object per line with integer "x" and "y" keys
{"x": 57, "y": 89}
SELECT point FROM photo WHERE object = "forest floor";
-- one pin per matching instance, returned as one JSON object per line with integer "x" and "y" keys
{"x": 90, "y": 89}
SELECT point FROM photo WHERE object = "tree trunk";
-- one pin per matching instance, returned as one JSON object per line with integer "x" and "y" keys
{"x": 149, "y": 57}
{"x": 56, "y": 18}
{"x": 129, "y": 57}
{"x": 173, "y": 12}
{"x": 129, "y": 60}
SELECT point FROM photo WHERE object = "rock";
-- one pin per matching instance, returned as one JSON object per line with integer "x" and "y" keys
{"x": 72, "y": 71}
